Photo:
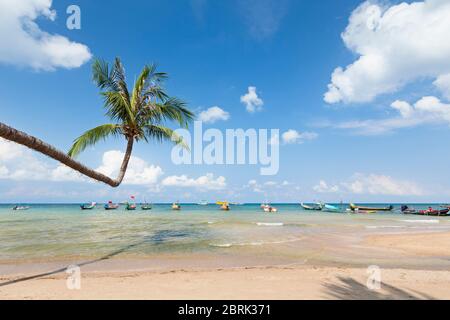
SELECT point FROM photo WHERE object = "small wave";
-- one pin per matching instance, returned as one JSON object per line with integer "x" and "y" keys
{"x": 421, "y": 221}
{"x": 384, "y": 227}
{"x": 270, "y": 224}
{"x": 224, "y": 245}
{"x": 253, "y": 243}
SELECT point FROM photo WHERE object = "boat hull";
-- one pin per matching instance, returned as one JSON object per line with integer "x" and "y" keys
{"x": 354, "y": 207}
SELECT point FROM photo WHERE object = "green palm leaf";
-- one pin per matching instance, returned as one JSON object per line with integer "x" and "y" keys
{"x": 92, "y": 136}
{"x": 161, "y": 133}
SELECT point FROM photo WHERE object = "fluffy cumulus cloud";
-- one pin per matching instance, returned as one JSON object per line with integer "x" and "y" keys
{"x": 213, "y": 114}
{"x": 373, "y": 184}
{"x": 206, "y": 182}
{"x": 269, "y": 187}
{"x": 139, "y": 172}
{"x": 293, "y": 136}
{"x": 427, "y": 110}
{"x": 21, "y": 164}
{"x": 25, "y": 44}
{"x": 323, "y": 187}
{"x": 396, "y": 45}
{"x": 252, "y": 101}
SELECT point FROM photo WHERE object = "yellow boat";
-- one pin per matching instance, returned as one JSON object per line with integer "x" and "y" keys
{"x": 224, "y": 205}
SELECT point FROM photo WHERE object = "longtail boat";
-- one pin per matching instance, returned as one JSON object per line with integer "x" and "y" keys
{"x": 89, "y": 206}
{"x": 130, "y": 207}
{"x": 111, "y": 206}
{"x": 316, "y": 207}
{"x": 330, "y": 208}
{"x": 428, "y": 212}
{"x": 355, "y": 207}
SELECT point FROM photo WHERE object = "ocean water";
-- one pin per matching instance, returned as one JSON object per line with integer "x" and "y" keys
{"x": 246, "y": 233}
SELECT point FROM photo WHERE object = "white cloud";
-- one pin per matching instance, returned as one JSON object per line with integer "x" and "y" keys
{"x": 396, "y": 45}
{"x": 252, "y": 102}
{"x": 372, "y": 184}
{"x": 213, "y": 114}
{"x": 427, "y": 110}
{"x": 323, "y": 187}
{"x": 293, "y": 136}
{"x": 25, "y": 44}
{"x": 381, "y": 185}
{"x": 443, "y": 84}
{"x": 206, "y": 182}
{"x": 20, "y": 164}
{"x": 139, "y": 172}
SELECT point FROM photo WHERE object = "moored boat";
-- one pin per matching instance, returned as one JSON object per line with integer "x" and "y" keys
{"x": 111, "y": 206}
{"x": 270, "y": 209}
{"x": 176, "y": 206}
{"x": 315, "y": 207}
{"x": 146, "y": 206}
{"x": 224, "y": 205}
{"x": 130, "y": 207}
{"x": 354, "y": 207}
{"x": 330, "y": 208}
{"x": 20, "y": 208}
{"x": 203, "y": 203}
{"x": 88, "y": 206}
{"x": 428, "y": 212}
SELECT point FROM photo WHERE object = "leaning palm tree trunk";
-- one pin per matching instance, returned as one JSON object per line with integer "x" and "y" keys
{"x": 38, "y": 145}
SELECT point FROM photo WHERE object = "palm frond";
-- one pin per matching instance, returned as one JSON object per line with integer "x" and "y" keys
{"x": 161, "y": 133}
{"x": 101, "y": 75}
{"x": 118, "y": 76}
{"x": 92, "y": 136}
{"x": 117, "y": 107}
{"x": 175, "y": 110}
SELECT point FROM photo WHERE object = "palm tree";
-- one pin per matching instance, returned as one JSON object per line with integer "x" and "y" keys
{"x": 137, "y": 115}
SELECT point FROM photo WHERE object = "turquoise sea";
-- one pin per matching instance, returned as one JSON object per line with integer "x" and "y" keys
{"x": 54, "y": 232}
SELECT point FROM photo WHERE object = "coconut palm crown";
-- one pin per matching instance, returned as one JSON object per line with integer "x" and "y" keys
{"x": 140, "y": 114}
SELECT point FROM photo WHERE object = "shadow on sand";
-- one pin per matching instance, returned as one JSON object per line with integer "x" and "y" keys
{"x": 350, "y": 289}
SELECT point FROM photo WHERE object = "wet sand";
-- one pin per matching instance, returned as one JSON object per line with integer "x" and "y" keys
{"x": 114, "y": 279}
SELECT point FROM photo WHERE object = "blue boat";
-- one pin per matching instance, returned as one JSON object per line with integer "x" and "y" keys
{"x": 330, "y": 208}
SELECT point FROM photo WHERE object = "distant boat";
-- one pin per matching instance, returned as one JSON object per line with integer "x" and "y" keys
{"x": 268, "y": 208}
{"x": 89, "y": 206}
{"x": 224, "y": 205}
{"x": 111, "y": 206}
{"x": 428, "y": 212}
{"x": 176, "y": 206}
{"x": 330, "y": 208}
{"x": 130, "y": 207}
{"x": 315, "y": 207}
{"x": 146, "y": 206}
{"x": 203, "y": 203}
{"x": 20, "y": 208}
{"x": 355, "y": 207}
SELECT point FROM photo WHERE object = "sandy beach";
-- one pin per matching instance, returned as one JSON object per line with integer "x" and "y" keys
{"x": 253, "y": 282}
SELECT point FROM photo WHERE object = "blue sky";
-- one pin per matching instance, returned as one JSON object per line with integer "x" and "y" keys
{"x": 380, "y": 134}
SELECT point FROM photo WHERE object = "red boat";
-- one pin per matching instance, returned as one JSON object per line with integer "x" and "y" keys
{"x": 429, "y": 212}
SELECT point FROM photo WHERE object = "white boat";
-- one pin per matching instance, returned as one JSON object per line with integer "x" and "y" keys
{"x": 20, "y": 208}
{"x": 269, "y": 208}
{"x": 203, "y": 203}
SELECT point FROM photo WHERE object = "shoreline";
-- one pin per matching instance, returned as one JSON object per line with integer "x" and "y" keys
{"x": 215, "y": 278}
